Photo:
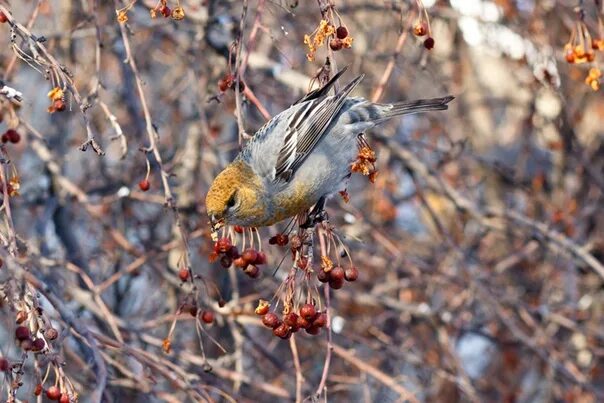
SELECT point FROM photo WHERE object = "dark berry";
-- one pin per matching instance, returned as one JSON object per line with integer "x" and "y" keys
{"x": 341, "y": 32}
{"x": 223, "y": 245}
{"x": 240, "y": 262}
{"x": 252, "y": 271}
{"x": 282, "y": 239}
{"x": 260, "y": 258}
{"x": 302, "y": 323}
{"x": 307, "y": 311}
{"x": 22, "y": 333}
{"x": 53, "y": 393}
{"x": 336, "y": 44}
{"x": 336, "y": 274}
{"x": 207, "y": 316}
{"x": 38, "y": 345}
{"x": 429, "y": 43}
{"x": 4, "y": 364}
{"x": 336, "y": 284}
{"x": 144, "y": 185}
{"x": 13, "y": 136}
{"x": 291, "y": 319}
{"x": 64, "y": 398}
{"x": 271, "y": 320}
{"x": 282, "y": 331}
{"x": 320, "y": 320}
{"x": 233, "y": 252}
{"x": 352, "y": 273}
{"x": 165, "y": 11}
{"x": 322, "y": 276}
{"x": 249, "y": 255}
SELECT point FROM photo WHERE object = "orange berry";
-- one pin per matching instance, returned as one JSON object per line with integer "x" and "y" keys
{"x": 420, "y": 28}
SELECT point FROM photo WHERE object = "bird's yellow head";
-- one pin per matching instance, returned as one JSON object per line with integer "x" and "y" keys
{"x": 236, "y": 197}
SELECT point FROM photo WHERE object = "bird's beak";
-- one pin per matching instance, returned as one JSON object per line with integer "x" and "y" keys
{"x": 215, "y": 225}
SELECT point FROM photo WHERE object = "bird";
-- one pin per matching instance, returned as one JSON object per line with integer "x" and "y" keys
{"x": 301, "y": 156}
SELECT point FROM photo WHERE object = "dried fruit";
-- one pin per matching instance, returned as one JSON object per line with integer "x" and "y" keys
{"x": 53, "y": 393}
{"x": 207, "y": 316}
{"x": 183, "y": 274}
{"x": 271, "y": 320}
{"x": 336, "y": 274}
{"x": 322, "y": 276}
{"x": 260, "y": 258}
{"x": 336, "y": 44}
{"x": 262, "y": 308}
{"x": 429, "y": 43}
{"x": 38, "y": 389}
{"x": 38, "y": 344}
{"x": 341, "y": 32}
{"x": 144, "y": 185}
{"x": 420, "y": 28}
{"x": 336, "y": 284}
{"x": 291, "y": 319}
{"x": 307, "y": 311}
{"x": 320, "y": 320}
{"x": 302, "y": 323}
{"x": 51, "y": 333}
{"x": 22, "y": 333}
{"x": 282, "y": 331}
{"x": 178, "y": 13}
{"x": 352, "y": 273}
{"x": 250, "y": 255}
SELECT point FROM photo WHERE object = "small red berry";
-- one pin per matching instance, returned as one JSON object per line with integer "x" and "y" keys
{"x": 5, "y": 140}
{"x": 282, "y": 331}
{"x": 352, "y": 273}
{"x": 64, "y": 398}
{"x": 252, "y": 271}
{"x": 53, "y": 393}
{"x": 291, "y": 319}
{"x": 3, "y": 17}
{"x": 165, "y": 11}
{"x": 183, "y": 274}
{"x": 308, "y": 311}
{"x": 38, "y": 389}
{"x": 51, "y": 333}
{"x": 336, "y": 44}
{"x": 13, "y": 136}
{"x": 336, "y": 284}
{"x": 238, "y": 229}
{"x": 144, "y": 185}
{"x": 22, "y": 333}
{"x": 262, "y": 308}
{"x": 260, "y": 258}
{"x": 249, "y": 255}
{"x": 271, "y": 320}
{"x": 336, "y": 274}
{"x": 320, "y": 320}
{"x": 207, "y": 316}
{"x": 38, "y": 345}
{"x": 240, "y": 262}
{"x": 429, "y": 43}
{"x": 4, "y": 364}
{"x": 223, "y": 245}
{"x": 322, "y": 276}
{"x": 341, "y": 32}
{"x": 226, "y": 261}
{"x": 302, "y": 323}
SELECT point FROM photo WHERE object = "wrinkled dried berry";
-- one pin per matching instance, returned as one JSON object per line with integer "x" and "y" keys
{"x": 307, "y": 311}
{"x": 341, "y": 32}
{"x": 262, "y": 308}
{"x": 51, "y": 333}
{"x": 352, "y": 273}
{"x": 336, "y": 44}
{"x": 271, "y": 320}
{"x": 282, "y": 331}
{"x": 291, "y": 319}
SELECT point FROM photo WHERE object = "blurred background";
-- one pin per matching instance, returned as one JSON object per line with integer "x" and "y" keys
{"x": 479, "y": 245}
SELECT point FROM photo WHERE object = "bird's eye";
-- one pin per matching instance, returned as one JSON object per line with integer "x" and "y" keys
{"x": 231, "y": 201}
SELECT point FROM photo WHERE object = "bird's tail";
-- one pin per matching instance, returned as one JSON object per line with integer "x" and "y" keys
{"x": 409, "y": 107}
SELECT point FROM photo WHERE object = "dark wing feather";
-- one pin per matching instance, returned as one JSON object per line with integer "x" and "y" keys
{"x": 306, "y": 128}
{"x": 321, "y": 92}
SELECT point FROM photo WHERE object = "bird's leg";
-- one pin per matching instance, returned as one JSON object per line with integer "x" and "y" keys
{"x": 316, "y": 215}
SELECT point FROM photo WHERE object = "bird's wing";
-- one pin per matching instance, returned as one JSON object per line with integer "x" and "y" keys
{"x": 321, "y": 92}
{"x": 306, "y": 127}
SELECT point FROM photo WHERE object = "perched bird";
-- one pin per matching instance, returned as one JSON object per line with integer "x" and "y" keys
{"x": 301, "y": 156}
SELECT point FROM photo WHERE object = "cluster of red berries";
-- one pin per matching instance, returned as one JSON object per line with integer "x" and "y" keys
{"x": 340, "y": 41}
{"x": 26, "y": 341}
{"x": 307, "y": 318}
{"x": 336, "y": 276}
{"x": 248, "y": 260}
{"x": 11, "y": 136}
{"x": 53, "y": 393}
